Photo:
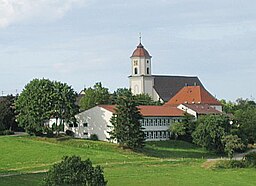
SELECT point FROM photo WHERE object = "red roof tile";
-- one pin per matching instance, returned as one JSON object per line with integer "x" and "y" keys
{"x": 191, "y": 95}
{"x": 152, "y": 110}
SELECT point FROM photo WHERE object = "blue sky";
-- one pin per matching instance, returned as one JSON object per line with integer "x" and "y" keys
{"x": 81, "y": 42}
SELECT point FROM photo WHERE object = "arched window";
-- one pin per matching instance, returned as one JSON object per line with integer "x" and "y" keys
{"x": 147, "y": 70}
{"x": 135, "y": 71}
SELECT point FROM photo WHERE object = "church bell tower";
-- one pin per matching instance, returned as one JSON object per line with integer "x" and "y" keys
{"x": 141, "y": 79}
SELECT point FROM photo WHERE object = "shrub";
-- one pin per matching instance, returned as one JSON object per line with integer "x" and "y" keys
{"x": 229, "y": 164}
{"x": 250, "y": 159}
{"x": 94, "y": 137}
{"x": 70, "y": 133}
{"x": 6, "y": 132}
{"x": 73, "y": 171}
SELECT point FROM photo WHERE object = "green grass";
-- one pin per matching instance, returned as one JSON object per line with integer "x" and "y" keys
{"x": 161, "y": 163}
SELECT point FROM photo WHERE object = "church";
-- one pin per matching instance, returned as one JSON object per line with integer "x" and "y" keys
{"x": 179, "y": 95}
{"x": 159, "y": 87}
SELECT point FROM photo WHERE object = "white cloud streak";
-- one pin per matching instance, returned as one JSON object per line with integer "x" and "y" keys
{"x": 12, "y": 11}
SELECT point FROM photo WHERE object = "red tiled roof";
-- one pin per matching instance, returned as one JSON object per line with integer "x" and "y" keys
{"x": 152, "y": 110}
{"x": 140, "y": 51}
{"x": 191, "y": 95}
{"x": 110, "y": 108}
{"x": 202, "y": 108}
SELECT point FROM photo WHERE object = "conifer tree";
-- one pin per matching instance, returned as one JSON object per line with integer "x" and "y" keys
{"x": 127, "y": 128}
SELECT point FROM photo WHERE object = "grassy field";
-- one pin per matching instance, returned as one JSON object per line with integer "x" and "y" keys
{"x": 161, "y": 163}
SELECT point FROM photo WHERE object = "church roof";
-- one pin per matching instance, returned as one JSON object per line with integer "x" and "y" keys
{"x": 154, "y": 111}
{"x": 193, "y": 94}
{"x": 168, "y": 86}
{"x": 202, "y": 108}
{"x": 140, "y": 51}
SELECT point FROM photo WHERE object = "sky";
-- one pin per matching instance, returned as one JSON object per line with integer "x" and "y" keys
{"x": 81, "y": 42}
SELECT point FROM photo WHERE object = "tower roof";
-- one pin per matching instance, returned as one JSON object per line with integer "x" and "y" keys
{"x": 140, "y": 51}
{"x": 193, "y": 94}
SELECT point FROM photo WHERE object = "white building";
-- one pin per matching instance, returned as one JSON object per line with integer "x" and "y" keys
{"x": 156, "y": 121}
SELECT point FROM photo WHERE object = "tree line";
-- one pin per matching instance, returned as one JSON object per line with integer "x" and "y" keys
{"x": 226, "y": 133}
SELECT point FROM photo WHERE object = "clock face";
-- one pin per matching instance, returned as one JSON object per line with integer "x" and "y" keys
{"x": 135, "y": 62}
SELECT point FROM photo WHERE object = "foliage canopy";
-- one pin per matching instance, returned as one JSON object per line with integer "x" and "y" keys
{"x": 43, "y": 99}
{"x": 73, "y": 171}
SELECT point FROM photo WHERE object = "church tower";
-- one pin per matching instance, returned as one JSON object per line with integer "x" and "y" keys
{"x": 141, "y": 79}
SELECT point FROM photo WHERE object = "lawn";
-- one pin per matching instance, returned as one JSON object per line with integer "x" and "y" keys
{"x": 161, "y": 163}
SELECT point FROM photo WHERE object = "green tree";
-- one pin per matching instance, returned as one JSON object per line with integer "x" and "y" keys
{"x": 227, "y": 106}
{"x": 73, "y": 171}
{"x": 94, "y": 96}
{"x": 41, "y": 100}
{"x": 7, "y": 113}
{"x": 145, "y": 99}
{"x": 184, "y": 129}
{"x": 140, "y": 99}
{"x": 210, "y": 130}
{"x": 127, "y": 130}
{"x": 232, "y": 143}
{"x": 178, "y": 129}
{"x": 245, "y": 120}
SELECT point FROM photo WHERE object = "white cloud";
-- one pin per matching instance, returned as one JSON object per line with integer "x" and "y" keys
{"x": 12, "y": 11}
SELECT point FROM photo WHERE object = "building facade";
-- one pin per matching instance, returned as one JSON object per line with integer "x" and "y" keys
{"x": 156, "y": 122}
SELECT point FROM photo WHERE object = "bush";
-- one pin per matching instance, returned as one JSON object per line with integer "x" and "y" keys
{"x": 70, "y": 133}
{"x": 250, "y": 159}
{"x": 229, "y": 164}
{"x": 6, "y": 132}
{"x": 94, "y": 137}
{"x": 73, "y": 171}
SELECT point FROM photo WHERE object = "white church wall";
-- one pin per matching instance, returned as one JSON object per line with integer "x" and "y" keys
{"x": 93, "y": 121}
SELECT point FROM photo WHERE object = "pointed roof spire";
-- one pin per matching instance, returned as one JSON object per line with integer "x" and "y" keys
{"x": 140, "y": 37}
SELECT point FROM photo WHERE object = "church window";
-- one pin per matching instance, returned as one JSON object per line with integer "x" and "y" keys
{"x": 147, "y": 70}
{"x": 135, "y": 62}
{"x": 135, "y": 71}
{"x": 147, "y": 61}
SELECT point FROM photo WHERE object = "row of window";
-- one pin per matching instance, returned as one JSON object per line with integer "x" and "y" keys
{"x": 136, "y": 70}
{"x": 157, "y": 134}
{"x": 158, "y": 122}
{"x": 76, "y": 125}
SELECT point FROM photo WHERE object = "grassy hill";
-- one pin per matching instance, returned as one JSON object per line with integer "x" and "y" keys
{"x": 161, "y": 163}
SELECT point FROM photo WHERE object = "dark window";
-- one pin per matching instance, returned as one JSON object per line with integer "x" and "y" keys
{"x": 70, "y": 125}
{"x": 135, "y": 71}
{"x": 85, "y": 133}
{"x": 85, "y": 124}
{"x": 75, "y": 125}
{"x": 147, "y": 70}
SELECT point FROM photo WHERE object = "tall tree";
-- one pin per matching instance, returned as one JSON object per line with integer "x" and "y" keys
{"x": 41, "y": 100}
{"x": 7, "y": 113}
{"x": 127, "y": 130}
{"x": 94, "y": 96}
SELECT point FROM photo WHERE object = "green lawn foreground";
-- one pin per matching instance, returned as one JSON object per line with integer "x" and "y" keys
{"x": 161, "y": 163}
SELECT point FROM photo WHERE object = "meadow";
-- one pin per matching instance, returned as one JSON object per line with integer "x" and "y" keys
{"x": 160, "y": 163}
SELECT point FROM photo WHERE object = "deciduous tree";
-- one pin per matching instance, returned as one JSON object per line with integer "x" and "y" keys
{"x": 7, "y": 113}
{"x": 42, "y": 100}
{"x": 210, "y": 130}
{"x": 74, "y": 171}
{"x": 94, "y": 96}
